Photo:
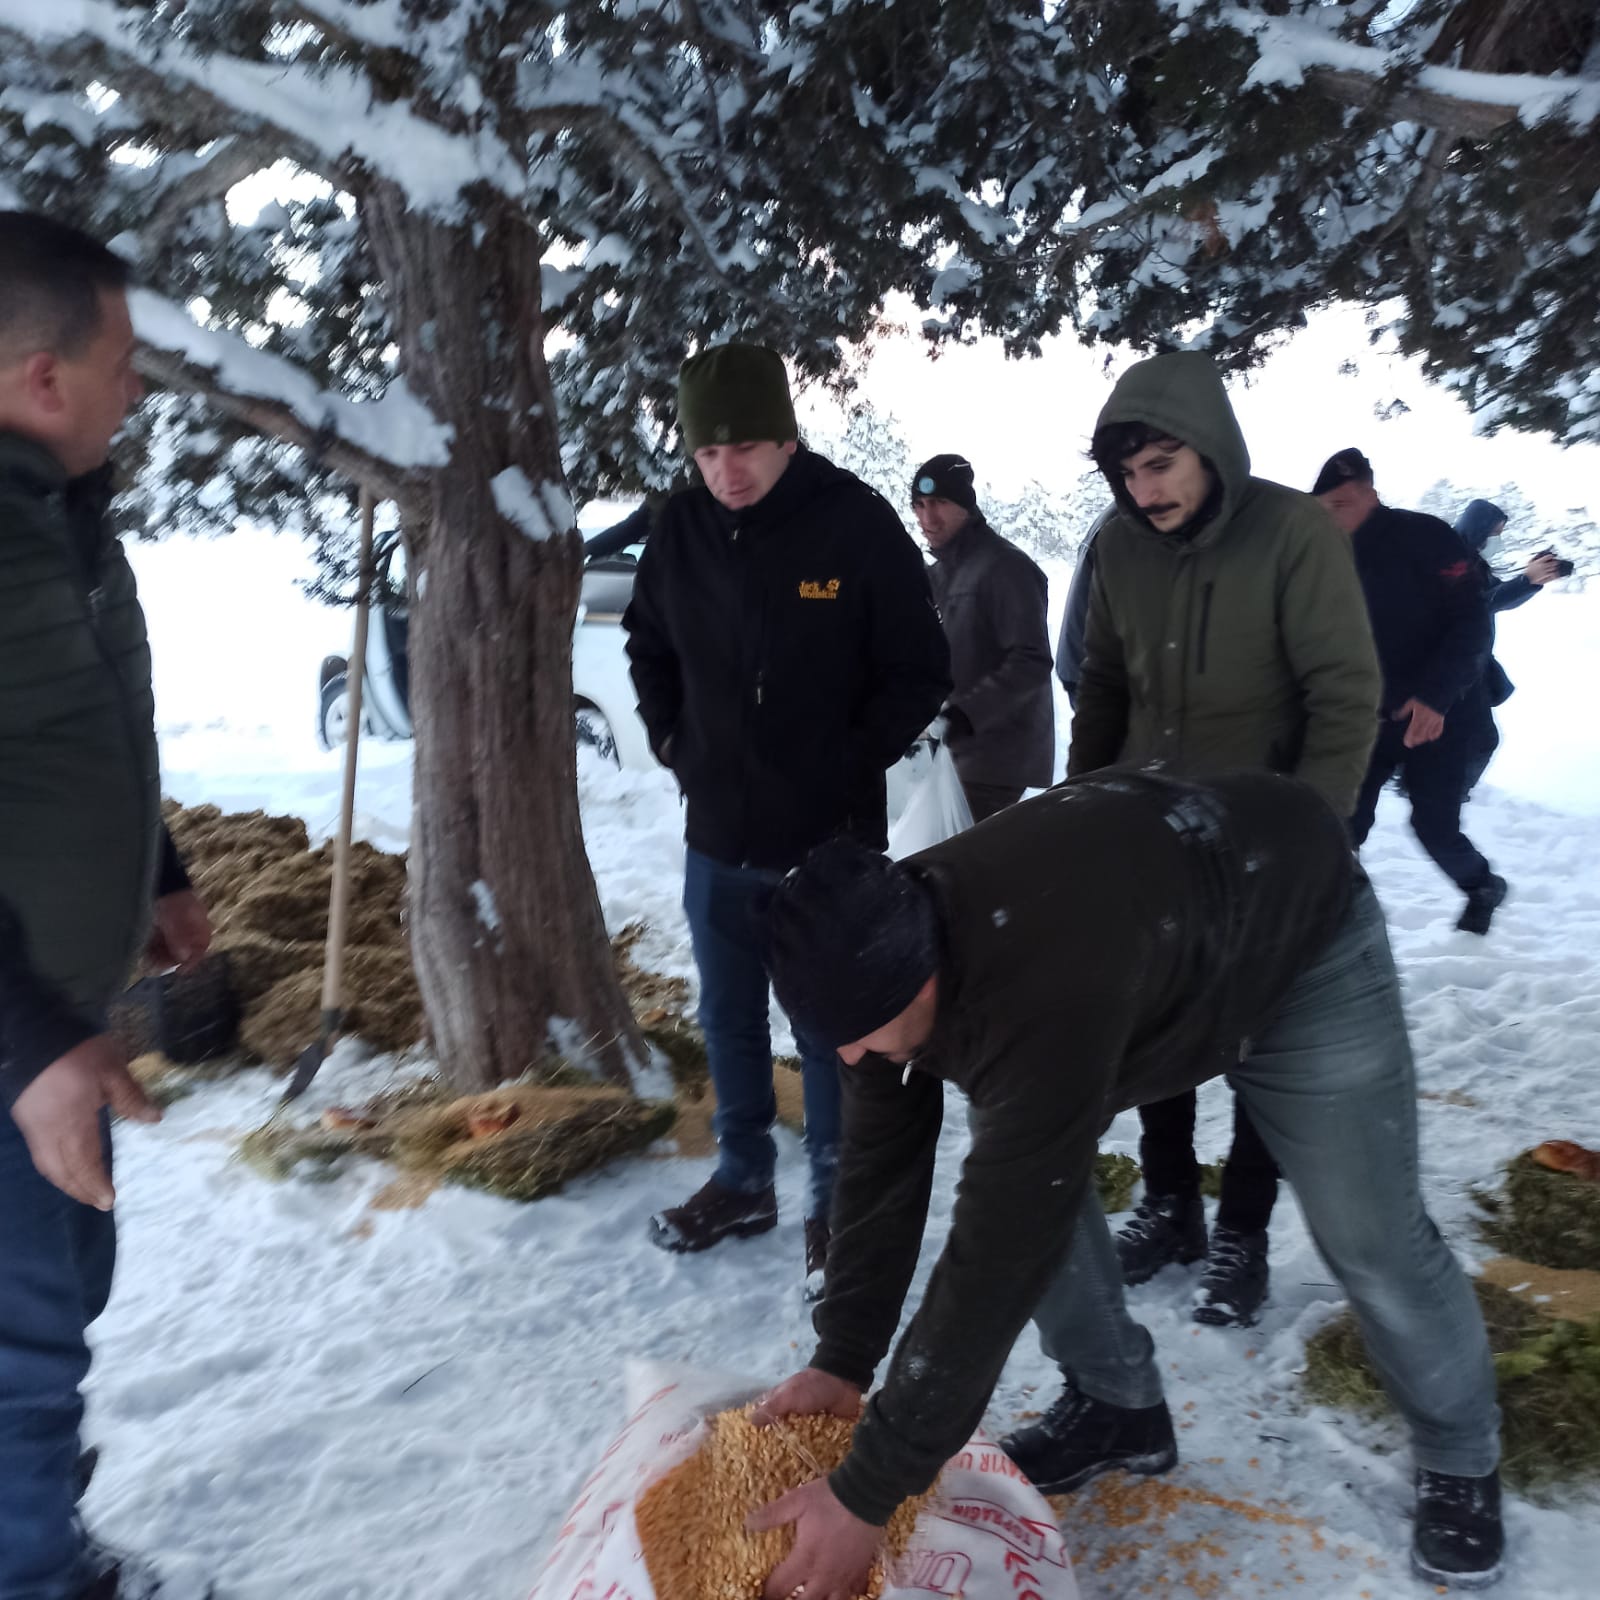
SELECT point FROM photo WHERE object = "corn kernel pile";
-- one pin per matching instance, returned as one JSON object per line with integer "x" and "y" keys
{"x": 691, "y": 1522}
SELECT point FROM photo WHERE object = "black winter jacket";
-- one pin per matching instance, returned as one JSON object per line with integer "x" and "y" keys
{"x": 1430, "y": 617}
{"x": 992, "y": 601}
{"x": 785, "y": 656}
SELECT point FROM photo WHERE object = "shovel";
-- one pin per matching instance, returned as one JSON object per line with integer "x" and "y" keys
{"x": 312, "y": 1057}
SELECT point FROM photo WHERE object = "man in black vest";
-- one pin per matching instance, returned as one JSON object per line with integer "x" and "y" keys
{"x": 88, "y": 876}
{"x": 786, "y": 653}
{"x": 1001, "y": 719}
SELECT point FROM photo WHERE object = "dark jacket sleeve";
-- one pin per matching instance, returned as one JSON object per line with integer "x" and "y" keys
{"x": 880, "y": 1207}
{"x": 38, "y": 1025}
{"x": 1016, "y": 598}
{"x": 1465, "y": 627}
{"x": 652, "y": 658}
{"x": 907, "y": 657}
{"x": 171, "y": 876}
{"x": 1512, "y": 593}
{"x": 1074, "y": 620}
{"x": 1035, "y": 1126}
{"x": 1100, "y": 718}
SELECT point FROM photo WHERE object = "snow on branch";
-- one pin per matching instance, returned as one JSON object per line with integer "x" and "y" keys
{"x": 1109, "y": 214}
{"x": 539, "y": 513}
{"x": 377, "y": 27}
{"x": 1293, "y": 50}
{"x": 209, "y": 177}
{"x": 380, "y": 442}
{"x": 328, "y": 119}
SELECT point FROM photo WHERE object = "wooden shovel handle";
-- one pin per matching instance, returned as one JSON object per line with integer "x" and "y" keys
{"x": 339, "y": 900}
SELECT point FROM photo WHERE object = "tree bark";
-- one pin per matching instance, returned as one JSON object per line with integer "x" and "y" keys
{"x": 510, "y": 949}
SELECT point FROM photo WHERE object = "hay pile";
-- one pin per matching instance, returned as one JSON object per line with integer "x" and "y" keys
{"x": 267, "y": 892}
{"x": 1549, "y": 1374}
{"x": 691, "y": 1522}
{"x": 1547, "y": 1217}
{"x": 521, "y": 1141}
{"x": 1114, "y": 1180}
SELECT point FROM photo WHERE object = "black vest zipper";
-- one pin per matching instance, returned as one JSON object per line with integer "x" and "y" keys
{"x": 1205, "y": 625}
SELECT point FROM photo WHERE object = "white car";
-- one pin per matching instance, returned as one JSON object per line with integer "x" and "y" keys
{"x": 604, "y": 710}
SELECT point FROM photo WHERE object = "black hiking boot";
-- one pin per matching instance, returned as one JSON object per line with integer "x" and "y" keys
{"x": 1481, "y": 905}
{"x": 818, "y": 1237}
{"x": 1165, "y": 1228}
{"x": 711, "y": 1215}
{"x": 1459, "y": 1541}
{"x": 1234, "y": 1283}
{"x": 1078, "y": 1438}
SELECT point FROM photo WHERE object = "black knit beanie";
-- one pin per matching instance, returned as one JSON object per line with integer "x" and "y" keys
{"x": 1343, "y": 466}
{"x": 945, "y": 477}
{"x": 852, "y": 937}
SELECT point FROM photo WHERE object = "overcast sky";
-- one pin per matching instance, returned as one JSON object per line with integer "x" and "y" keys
{"x": 1019, "y": 420}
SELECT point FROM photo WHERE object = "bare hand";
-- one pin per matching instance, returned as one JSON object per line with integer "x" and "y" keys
{"x": 809, "y": 1393}
{"x": 58, "y": 1115}
{"x": 182, "y": 932}
{"x": 833, "y": 1549}
{"x": 1541, "y": 570}
{"x": 1426, "y": 723}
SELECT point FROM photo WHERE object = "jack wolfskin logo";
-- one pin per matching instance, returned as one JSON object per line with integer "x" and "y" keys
{"x": 812, "y": 590}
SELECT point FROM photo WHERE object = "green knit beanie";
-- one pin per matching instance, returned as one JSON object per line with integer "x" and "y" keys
{"x": 734, "y": 394}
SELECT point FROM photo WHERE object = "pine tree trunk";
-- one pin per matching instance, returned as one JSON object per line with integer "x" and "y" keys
{"x": 510, "y": 949}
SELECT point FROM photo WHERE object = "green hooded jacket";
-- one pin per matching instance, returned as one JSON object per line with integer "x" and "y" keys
{"x": 81, "y": 836}
{"x": 1242, "y": 645}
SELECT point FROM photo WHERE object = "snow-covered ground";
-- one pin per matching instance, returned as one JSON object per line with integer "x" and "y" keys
{"x": 322, "y": 1400}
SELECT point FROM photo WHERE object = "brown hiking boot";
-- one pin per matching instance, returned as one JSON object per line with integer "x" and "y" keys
{"x": 818, "y": 1238}
{"x": 711, "y": 1215}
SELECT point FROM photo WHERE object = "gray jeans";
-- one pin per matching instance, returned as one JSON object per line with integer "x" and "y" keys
{"x": 1331, "y": 1086}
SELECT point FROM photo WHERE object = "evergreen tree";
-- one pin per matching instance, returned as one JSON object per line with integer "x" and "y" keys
{"x": 500, "y": 228}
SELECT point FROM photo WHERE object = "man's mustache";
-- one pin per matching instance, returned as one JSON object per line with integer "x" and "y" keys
{"x": 1160, "y": 511}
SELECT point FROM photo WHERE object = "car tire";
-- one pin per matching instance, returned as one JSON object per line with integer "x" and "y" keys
{"x": 332, "y": 712}
{"x": 592, "y": 730}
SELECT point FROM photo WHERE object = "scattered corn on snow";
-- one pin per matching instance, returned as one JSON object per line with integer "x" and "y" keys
{"x": 329, "y": 1402}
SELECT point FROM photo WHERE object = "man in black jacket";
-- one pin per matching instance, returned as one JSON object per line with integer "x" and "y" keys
{"x": 1119, "y": 939}
{"x": 786, "y": 653}
{"x": 88, "y": 875}
{"x": 1001, "y": 719}
{"x": 1431, "y": 623}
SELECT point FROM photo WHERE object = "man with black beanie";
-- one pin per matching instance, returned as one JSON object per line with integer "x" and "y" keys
{"x": 786, "y": 653}
{"x": 1435, "y": 633}
{"x": 1120, "y": 938}
{"x": 992, "y": 601}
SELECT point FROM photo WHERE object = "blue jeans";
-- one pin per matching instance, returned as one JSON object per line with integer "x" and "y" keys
{"x": 1331, "y": 1087}
{"x": 726, "y": 907}
{"x": 56, "y": 1257}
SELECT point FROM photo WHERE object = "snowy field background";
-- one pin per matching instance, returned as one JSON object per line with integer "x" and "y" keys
{"x": 320, "y": 1400}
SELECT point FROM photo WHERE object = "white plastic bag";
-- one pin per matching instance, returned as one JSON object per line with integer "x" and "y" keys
{"x": 936, "y": 811}
{"x": 986, "y": 1534}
